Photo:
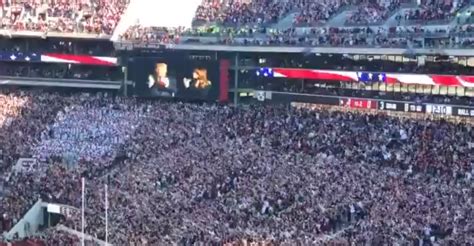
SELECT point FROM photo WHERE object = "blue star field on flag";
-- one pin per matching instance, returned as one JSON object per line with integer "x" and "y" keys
{"x": 265, "y": 72}
{"x": 369, "y": 77}
{"x": 20, "y": 57}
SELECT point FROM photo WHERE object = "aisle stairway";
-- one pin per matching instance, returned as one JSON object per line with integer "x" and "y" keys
{"x": 287, "y": 21}
{"x": 338, "y": 20}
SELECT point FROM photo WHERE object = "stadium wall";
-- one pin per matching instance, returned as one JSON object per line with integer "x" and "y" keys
{"x": 29, "y": 224}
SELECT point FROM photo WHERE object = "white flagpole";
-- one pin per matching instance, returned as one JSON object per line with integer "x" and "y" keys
{"x": 82, "y": 212}
{"x": 106, "y": 216}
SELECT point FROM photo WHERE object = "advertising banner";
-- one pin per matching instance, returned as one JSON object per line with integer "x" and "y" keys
{"x": 439, "y": 109}
{"x": 463, "y": 111}
{"x": 391, "y": 106}
{"x": 285, "y": 97}
{"x": 361, "y": 103}
{"x": 358, "y": 103}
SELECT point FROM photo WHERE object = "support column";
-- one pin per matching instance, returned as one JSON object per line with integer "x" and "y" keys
{"x": 236, "y": 79}
{"x": 125, "y": 79}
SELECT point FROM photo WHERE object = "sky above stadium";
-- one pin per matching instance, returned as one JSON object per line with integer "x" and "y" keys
{"x": 166, "y": 13}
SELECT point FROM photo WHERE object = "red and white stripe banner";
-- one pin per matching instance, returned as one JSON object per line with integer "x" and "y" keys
{"x": 79, "y": 59}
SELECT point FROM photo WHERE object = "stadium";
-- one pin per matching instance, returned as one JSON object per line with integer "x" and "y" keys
{"x": 236, "y": 122}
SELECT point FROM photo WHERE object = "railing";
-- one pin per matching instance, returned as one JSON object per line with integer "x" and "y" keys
{"x": 72, "y": 83}
{"x": 222, "y": 46}
{"x": 420, "y": 35}
{"x": 427, "y": 22}
{"x": 291, "y": 41}
{"x": 76, "y": 35}
{"x": 29, "y": 242}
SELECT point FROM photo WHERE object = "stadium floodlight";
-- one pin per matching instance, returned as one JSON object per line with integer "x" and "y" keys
{"x": 82, "y": 211}
{"x": 106, "y": 215}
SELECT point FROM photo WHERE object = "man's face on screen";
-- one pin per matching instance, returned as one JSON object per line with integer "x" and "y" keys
{"x": 161, "y": 70}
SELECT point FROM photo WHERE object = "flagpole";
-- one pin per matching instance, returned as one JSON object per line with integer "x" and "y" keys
{"x": 82, "y": 212}
{"x": 106, "y": 216}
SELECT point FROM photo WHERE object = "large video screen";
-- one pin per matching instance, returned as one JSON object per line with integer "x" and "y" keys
{"x": 175, "y": 78}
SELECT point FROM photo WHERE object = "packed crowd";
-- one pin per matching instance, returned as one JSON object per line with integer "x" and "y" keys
{"x": 102, "y": 16}
{"x": 308, "y": 13}
{"x": 208, "y": 11}
{"x": 243, "y": 22}
{"x": 315, "y": 13}
{"x": 400, "y": 36}
{"x": 435, "y": 10}
{"x": 189, "y": 174}
{"x": 86, "y": 132}
{"x": 373, "y": 13}
{"x": 245, "y": 12}
{"x": 65, "y": 16}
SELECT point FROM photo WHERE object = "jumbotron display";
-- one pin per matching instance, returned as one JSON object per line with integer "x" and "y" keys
{"x": 182, "y": 78}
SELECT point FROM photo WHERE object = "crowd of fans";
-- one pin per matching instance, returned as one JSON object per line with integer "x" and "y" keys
{"x": 212, "y": 174}
{"x": 398, "y": 37}
{"x": 64, "y": 16}
{"x": 244, "y": 23}
{"x": 308, "y": 13}
{"x": 186, "y": 174}
{"x": 208, "y": 11}
{"x": 84, "y": 132}
{"x": 313, "y": 13}
{"x": 373, "y": 13}
{"x": 101, "y": 16}
{"x": 245, "y": 12}
{"x": 435, "y": 10}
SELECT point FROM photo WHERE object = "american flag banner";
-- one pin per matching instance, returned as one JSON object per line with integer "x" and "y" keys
{"x": 367, "y": 77}
{"x": 58, "y": 58}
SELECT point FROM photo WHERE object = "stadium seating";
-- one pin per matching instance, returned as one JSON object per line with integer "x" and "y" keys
{"x": 373, "y": 13}
{"x": 256, "y": 20}
{"x": 188, "y": 174}
{"x": 435, "y": 10}
{"x": 247, "y": 22}
{"x": 213, "y": 174}
{"x": 64, "y": 16}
